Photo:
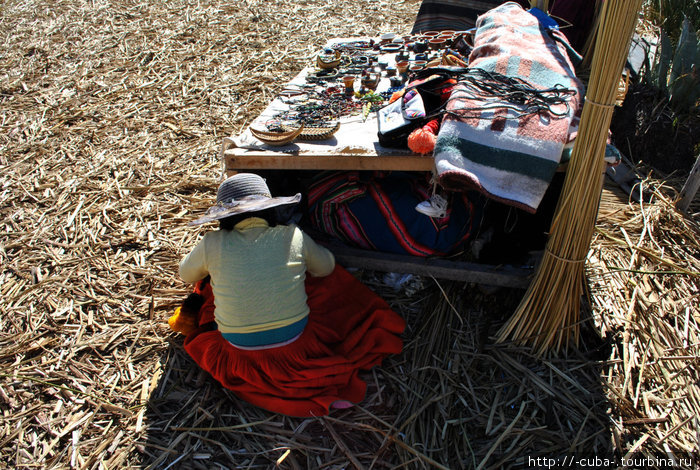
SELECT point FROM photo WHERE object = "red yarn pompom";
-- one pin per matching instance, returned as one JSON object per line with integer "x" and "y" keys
{"x": 422, "y": 140}
{"x": 396, "y": 95}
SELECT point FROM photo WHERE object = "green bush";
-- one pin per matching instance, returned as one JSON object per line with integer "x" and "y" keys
{"x": 669, "y": 15}
{"x": 676, "y": 68}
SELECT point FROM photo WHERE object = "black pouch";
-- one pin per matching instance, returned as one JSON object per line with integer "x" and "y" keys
{"x": 423, "y": 100}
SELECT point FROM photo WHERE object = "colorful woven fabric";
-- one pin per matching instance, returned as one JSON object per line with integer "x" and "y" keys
{"x": 506, "y": 155}
{"x": 350, "y": 329}
{"x": 378, "y": 212}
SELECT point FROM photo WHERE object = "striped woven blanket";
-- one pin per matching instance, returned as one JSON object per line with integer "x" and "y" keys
{"x": 498, "y": 145}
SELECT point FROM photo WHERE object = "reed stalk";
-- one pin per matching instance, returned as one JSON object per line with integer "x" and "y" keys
{"x": 547, "y": 318}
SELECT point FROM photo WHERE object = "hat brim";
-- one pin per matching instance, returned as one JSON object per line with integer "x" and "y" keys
{"x": 248, "y": 204}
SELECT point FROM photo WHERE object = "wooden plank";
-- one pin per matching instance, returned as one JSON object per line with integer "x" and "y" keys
{"x": 502, "y": 276}
{"x": 238, "y": 159}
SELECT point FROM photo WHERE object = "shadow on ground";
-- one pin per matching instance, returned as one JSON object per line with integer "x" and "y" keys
{"x": 452, "y": 399}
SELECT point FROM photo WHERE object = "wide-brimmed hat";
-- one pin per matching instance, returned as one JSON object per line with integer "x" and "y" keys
{"x": 243, "y": 192}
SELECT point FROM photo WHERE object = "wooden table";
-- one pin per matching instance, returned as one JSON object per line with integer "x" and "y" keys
{"x": 236, "y": 159}
{"x": 355, "y": 147}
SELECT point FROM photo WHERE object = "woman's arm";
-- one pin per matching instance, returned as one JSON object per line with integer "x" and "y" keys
{"x": 319, "y": 260}
{"x": 193, "y": 267}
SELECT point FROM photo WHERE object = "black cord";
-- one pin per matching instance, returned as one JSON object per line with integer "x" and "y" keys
{"x": 497, "y": 91}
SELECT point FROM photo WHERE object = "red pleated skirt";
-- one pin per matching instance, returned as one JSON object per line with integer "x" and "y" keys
{"x": 350, "y": 329}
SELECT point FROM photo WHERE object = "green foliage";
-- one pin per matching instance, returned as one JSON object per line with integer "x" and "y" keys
{"x": 684, "y": 80}
{"x": 659, "y": 74}
{"x": 669, "y": 15}
{"x": 676, "y": 69}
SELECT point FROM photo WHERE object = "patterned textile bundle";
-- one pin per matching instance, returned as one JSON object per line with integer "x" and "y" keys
{"x": 508, "y": 155}
{"x": 378, "y": 212}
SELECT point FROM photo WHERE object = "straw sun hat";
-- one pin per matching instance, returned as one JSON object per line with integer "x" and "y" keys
{"x": 243, "y": 192}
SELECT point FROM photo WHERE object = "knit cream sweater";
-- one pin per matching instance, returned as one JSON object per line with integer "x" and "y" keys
{"x": 257, "y": 274}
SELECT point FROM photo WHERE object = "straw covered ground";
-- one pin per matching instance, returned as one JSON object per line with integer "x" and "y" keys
{"x": 111, "y": 119}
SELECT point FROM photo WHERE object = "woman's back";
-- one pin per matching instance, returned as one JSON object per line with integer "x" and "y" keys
{"x": 257, "y": 276}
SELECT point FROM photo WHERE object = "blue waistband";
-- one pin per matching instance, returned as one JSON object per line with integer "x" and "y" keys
{"x": 262, "y": 338}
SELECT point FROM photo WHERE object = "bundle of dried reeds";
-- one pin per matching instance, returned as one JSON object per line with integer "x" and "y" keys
{"x": 548, "y": 316}
{"x": 589, "y": 46}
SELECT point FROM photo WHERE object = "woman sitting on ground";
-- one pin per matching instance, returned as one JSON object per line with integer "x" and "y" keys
{"x": 280, "y": 340}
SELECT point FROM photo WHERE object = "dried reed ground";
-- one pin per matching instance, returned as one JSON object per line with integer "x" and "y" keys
{"x": 111, "y": 118}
